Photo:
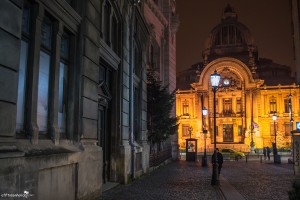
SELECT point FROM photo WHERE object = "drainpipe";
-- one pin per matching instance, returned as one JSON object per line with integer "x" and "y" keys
{"x": 131, "y": 87}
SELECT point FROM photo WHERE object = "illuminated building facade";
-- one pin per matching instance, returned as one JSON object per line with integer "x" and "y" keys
{"x": 250, "y": 92}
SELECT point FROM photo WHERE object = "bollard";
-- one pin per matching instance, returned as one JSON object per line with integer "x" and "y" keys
{"x": 260, "y": 159}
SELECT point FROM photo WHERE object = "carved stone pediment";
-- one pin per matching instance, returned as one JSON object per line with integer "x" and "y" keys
{"x": 229, "y": 81}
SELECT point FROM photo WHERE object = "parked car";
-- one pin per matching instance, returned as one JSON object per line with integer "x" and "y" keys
{"x": 232, "y": 154}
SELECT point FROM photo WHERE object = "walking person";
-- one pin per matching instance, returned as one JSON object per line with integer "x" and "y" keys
{"x": 219, "y": 160}
{"x": 268, "y": 153}
{"x": 265, "y": 152}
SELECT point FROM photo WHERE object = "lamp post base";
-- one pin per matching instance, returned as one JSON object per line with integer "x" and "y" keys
{"x": 252, "y": 149}
{"x": 204, "y": 160}
{"x": 215, "y": 176}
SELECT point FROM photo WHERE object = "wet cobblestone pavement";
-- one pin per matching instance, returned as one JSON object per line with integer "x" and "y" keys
{"x": 177, "y": 180}
{"x": 255, "y": 180}
{"x": 189, "y": 180}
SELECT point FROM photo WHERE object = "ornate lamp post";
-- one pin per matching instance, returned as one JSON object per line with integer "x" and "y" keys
{"x": 215, "y": 79}
{"x": 274, "y": 117}
{"x": 204, "y": 160}
{"x": 291, "y": 125}
{"x": 252, "y": 141}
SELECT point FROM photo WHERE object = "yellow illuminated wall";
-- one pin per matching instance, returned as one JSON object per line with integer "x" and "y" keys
{"x": 239, "y": 106}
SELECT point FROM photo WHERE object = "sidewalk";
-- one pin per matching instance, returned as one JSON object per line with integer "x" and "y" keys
{"x": 176, "y": 180}
{"x": 189, "y": 180}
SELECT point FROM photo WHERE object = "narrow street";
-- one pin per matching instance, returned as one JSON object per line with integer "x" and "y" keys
{"x": 189, "y": 180}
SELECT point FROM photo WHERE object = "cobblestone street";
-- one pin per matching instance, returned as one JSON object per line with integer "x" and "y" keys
{"x": 189, "y": 180}
{"x": 255, "y": 180}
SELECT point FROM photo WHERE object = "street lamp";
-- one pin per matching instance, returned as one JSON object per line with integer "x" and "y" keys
{"x": 274, "y": 117}
{"x": 214, "y": 80}
{"x": 204, "y": 160}
{"x": 291, "y": 124}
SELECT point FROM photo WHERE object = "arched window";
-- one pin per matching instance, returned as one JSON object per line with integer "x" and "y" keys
{"x": 228, "y": 35}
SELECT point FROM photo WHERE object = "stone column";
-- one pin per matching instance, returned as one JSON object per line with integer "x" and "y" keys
{"x": 243, "y": 106}
{"x": 54, "y": 71}
{"x": 33, "y": 70}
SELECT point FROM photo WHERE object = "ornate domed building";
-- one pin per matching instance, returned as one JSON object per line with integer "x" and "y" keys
{"x": 251, "y": 90}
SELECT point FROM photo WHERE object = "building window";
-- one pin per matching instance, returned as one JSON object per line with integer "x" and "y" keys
{"x": 287, "y": 129}
{"x": 273, "y": 105}
{"x": 227, "y": 132}
{"x": 238, "y": 105}
{"x": 63, "y": 82}
{"x": 286, "y": 105}
{"x": 240, "y": 130}
{"x": 227, "y": 106}
{"x": 238, "y": 39}
{"x": 26, "y": 19}
{"x": 51, "y": 98}
{"x": 46, "y": 33}
{"x": 110, "y": 27}
{"x": 23, "y": 68}
{"x": 114, "y": 37}
{"x": 137, "y": 61}
{"x": 106, "y": 22}
{"x": 185, "y": 130}
{"x": 185, "y": 107}
{"x": 44, "y": 75}
{"x": 272, "y": 133}
{"x": 137, "y": 113}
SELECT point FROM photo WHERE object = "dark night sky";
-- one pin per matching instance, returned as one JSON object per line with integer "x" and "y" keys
{"x": 269, "y": 23}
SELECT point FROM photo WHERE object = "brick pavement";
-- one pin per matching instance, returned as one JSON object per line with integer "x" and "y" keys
{"x": 189, "y": 180}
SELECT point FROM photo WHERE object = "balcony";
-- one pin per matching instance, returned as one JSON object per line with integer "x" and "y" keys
{"x": 185, "y": 116}
{"x": 227, "y": 113}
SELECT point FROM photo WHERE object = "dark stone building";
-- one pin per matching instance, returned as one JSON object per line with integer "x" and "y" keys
{"x": 73, "y": 95}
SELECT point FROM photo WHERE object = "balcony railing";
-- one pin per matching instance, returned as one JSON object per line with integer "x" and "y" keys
{"x": 156, "y": 158}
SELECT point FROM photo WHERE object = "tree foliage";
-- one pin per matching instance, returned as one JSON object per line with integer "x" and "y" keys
{"x": 159, "y": 106}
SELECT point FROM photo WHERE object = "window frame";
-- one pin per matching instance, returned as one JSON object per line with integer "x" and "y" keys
{"x": 273, "y": 105}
